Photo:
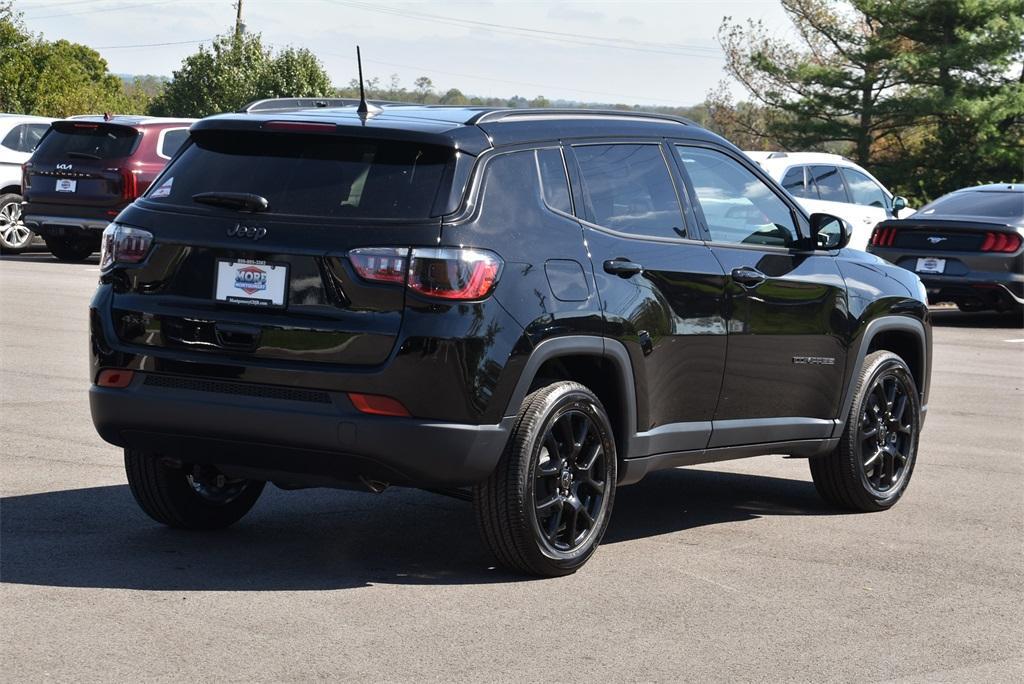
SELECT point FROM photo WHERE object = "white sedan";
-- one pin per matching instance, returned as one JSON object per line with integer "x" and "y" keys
{"x": 19, "y": 136}
{"x": 832, "y": 184}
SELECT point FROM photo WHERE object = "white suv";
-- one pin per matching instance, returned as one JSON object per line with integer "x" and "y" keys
{"x": 832, "y": 184}
{"x": 19, "y": 135}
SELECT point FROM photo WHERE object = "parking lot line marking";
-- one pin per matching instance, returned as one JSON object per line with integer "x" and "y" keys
{"x": 1020, "y": 340}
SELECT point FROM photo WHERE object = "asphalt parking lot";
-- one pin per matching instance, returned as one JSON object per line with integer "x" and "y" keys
{"x": 730, "y": 572}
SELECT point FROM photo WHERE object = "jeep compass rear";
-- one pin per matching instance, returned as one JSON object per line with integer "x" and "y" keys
{"x": 517, "y": 308}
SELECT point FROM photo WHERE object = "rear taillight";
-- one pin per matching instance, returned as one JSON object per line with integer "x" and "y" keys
{"x": 26, "y": 176}
{"x": 129, "y": 185}
{"x": 1001, "y": 242}
{"x": 380, "y": 264}
{"x": 883, "y": 237}
{"x": 123, "y": 245}
{"x": 115, "y": 377}
{"x": 453, "y": 273}
{"x": 440, "y": 273}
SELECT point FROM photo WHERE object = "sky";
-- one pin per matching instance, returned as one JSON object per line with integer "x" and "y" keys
{"x": 647, "y": 53}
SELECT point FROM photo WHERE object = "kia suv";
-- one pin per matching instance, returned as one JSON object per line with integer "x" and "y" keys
{"x": 526, "y": 309}
{"x": 833, "y": 184}
{"x": 87, "y": 169}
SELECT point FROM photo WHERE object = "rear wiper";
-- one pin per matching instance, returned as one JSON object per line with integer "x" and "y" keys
{"x": 242, "y": 201}
{"x": 83, "y": 155}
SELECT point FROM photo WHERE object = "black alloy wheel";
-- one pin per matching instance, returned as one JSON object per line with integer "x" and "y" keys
{"x": 887, "y": 434}
{"x": 871, "y": 467}
{"x": 569, "y": 482}
{"x": 545, "y": 508}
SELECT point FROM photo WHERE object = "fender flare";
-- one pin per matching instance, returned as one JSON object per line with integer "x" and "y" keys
{"x": 609, "y": 350}
{"x": 880, "y": 325}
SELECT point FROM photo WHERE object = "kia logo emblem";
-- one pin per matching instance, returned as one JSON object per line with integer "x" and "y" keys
{"x": 935, "y": 239}
{"x": 251, "y": 232}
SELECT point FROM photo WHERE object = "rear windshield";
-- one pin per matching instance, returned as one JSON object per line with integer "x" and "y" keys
{"x": 67, "y": 140}
{"x": 993, "y": 203}
{"x": 310, "y": 175}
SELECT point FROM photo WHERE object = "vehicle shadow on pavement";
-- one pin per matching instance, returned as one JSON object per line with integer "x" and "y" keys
{"x": 329, "y": 539}
{"x": 951, "y": 318}
{"x": 47, "y": 258}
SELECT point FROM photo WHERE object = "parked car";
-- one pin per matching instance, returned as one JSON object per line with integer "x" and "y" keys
{"x": 966, "y": 246}
{"x": 19, "y": 135}
{"x": 87, "y": 169}
{"x": 510, "y": 306}
{"x": 835, "y": 185}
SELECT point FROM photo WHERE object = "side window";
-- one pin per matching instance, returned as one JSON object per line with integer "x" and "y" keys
{"x": 172, "y": 139}
{"x": 793, "y": 181}
{"x": 738, "y": 206}
{"x": 829, "y": 183}
{"x": 12, "y": 140}
{"x": 863, "y": 190}
{"x": 631, "y": 189}
{"x": 33, "y": 134}
{"x": 553, "y": 182}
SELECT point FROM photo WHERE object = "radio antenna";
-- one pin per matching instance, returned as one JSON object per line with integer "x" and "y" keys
{"x": 365, "y": 109}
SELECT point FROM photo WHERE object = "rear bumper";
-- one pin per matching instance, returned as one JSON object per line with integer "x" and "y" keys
{"x": 66, "y": 226}
{"x": 300, "y": 437}
{"x": 985, "y": 276}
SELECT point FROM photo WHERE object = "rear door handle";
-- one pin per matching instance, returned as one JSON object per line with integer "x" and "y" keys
{"x": 748, "y": 276}
{"x": 624, "y": 268}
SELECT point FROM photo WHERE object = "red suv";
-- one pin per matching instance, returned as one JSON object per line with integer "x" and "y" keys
{"x": 87, "y": 169}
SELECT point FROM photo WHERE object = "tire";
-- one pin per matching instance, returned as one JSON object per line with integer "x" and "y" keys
{"x": 176, "y": 497}
{"x": 860, "y": 474}
{"x": 556, "y": 475}
{"x": 68, "y": 250}
{"x": 15, "y": 237}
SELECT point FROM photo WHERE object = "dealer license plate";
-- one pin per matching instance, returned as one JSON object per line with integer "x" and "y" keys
{"x": 254, "y": 283}
{"x": 65, "y": 185}
{"x": 931, "y": 265}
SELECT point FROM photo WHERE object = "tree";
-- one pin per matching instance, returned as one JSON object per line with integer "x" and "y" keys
{"x": 454, "y": 96}
{"x": 830, "y": 87}
{"x": 54, "y": 79}
{"x": 928, "y": 92}
{"x": 235, "y": 70}
{"x": 424, "y": 86}
{"x": 962, "y": 63}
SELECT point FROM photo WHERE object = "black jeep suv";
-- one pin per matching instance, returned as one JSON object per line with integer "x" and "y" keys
{"x": 525, "y": 308}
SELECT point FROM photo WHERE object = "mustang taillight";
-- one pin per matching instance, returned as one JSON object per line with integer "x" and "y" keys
{"x": 883, "y": 237}
{"x": 123, "y": 245}
{"x": 442, "y": 273}
{"x": 1001, "y": 242}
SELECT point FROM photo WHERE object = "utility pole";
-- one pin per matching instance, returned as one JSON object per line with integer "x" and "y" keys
{"x": 239, "y": 24}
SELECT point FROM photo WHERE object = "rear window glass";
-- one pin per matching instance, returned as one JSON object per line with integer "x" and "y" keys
{"x": 87, "y": 141}
{"x": 978, "y": 203}
{"x": 310, "y": 175}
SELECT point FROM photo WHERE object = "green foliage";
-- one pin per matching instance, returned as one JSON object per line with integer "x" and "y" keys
{"x": 928, "y": 93}
{"x": 235, "y": 70}
{"x": 55, "y": 78}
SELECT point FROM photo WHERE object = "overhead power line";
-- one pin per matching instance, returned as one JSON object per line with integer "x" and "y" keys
{"x": 421, "y": 69}
{"x": 678, "y": 49}
{"x": 99, "y": 10}
{"x": 147, "y": 45}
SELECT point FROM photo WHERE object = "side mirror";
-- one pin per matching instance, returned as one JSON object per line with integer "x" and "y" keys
{"x": 899, "y": 203}
{"x": 829, "y": 232}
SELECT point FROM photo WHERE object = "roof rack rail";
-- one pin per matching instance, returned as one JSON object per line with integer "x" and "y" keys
{"x": 777, "y": 155}
{"x": 505, "y": 114}
{"x": 283, "y": 103}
